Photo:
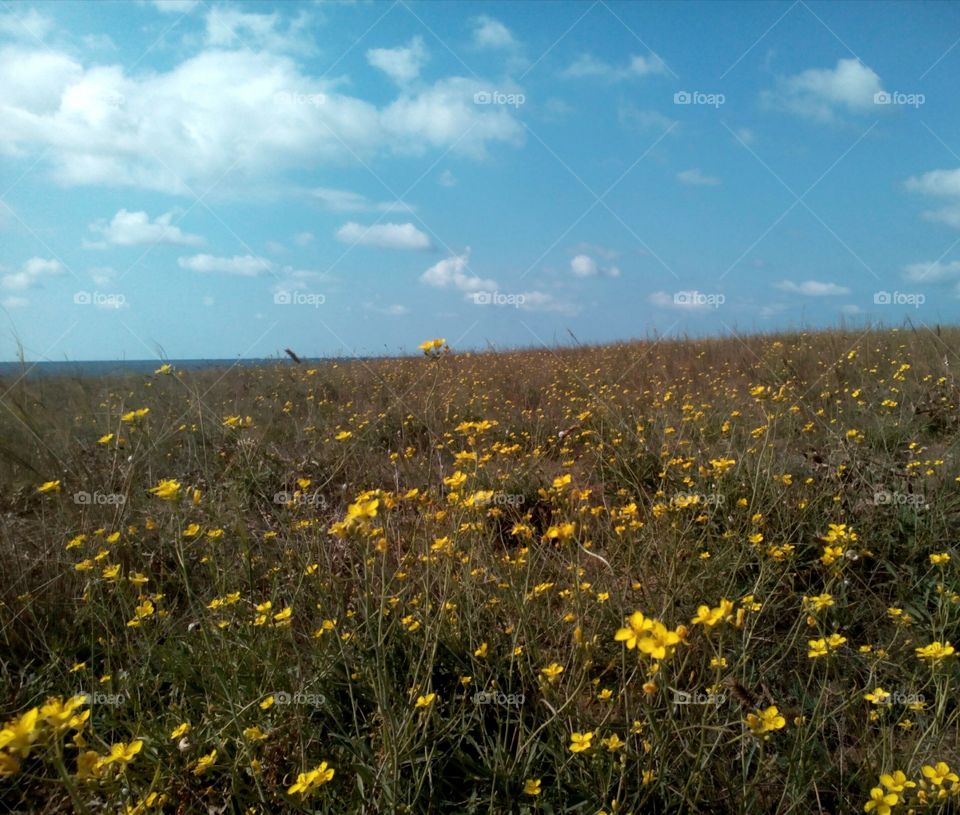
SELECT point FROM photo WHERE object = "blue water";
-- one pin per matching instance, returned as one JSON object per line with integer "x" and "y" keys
{"x": 101, "y": 368}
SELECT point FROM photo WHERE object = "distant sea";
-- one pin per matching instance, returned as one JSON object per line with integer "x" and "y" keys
{"x": 101, "y": 368}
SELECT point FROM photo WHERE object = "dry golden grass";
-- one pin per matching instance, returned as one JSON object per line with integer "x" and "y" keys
{"x": 425, "y": 572}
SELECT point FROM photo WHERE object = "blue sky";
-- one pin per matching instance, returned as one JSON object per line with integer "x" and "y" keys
{"x": 201, "y": 179}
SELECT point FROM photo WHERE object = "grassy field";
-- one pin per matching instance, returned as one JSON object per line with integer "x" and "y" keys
{"x": 678, "y": 576}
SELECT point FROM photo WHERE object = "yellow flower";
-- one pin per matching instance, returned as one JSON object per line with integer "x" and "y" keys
{"x": 106, "y": 439}
{"x": 166, "y": 489}
{"x": 204, "y": 763}
{"x": 613, "y": 743}
{"x": 935, "y": 651}
{"x": 877, "y": 696}
{"x": 552, "y": 671}
{"x": 142, "y": 612}
{"x": 433, "y": 347}
{"x": 180, "y": 730}
{"x": 531, "y": 786}
{"x": 936, "y": 775}
{"x": 939, "y": 558}
{"x": 711, "y": 616}
{"x": 308, "y": 782}
{"x": 60, "y": 715}
{"x": 818, "y": 648}
{"x": 561, "y": 532}
{"x": 121, "y": 753}
{"x": 881, "y": 802}
{"x": 19, "y": 735}
{"x": 254, "y": 733}
{"x": 765, "y": 721}
{"x": 896, "y": 782}
{"x": 49, "y": 486}
{"x": 637, "y": 626}
{"x": 425, "y": 701}
{"x": 580, "y": 742}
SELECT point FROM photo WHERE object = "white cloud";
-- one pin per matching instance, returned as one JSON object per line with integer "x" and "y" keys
{"x": 136, "y": 228}
{"x": 936, "y": 272}
{"x": 303, "y": 238}
{"x": 445, "y": 115}
{"x": 403, "y": 64}
{"x": 29, "y": 25}
{"x": 936, "y": 182}
{"x": 31, "y": 273}
{"x": 820, "y": 93}
{"x": 346, "y": 201}
{"x": 228, "y": 27}
{"x": 543, "y": 301}
{"x": 939, "y": 184}
{"x": 384, "y": 236}
{"x": 586, "y": 65}
{"x": 746, "y": 135}
{"x": 491, "y": 33}
{"x": 225, "y": 118}
{"x": 586, "y": 266}
{"x": 15, "y": 302}
{"x": 695, "y": 178}
{"x": 242, "y": 265}
{"x": 812, "y": 288}
{"x": 447, "y": 179}
{"x": 454, "y": 271}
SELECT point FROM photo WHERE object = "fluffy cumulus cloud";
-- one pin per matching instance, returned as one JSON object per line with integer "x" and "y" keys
{"x": 384, "y": 236}
{"x": 136, "y": 229}
{"x": 824, "y": 93}
{"x": 585, "y": 266}
{"x": 30, "y": 275}
{"x": 454, "y": 272}
{"x": 221, "y": 118}
{"x": 242, "y": 265}
{"x": 695, "y": 178}
{"x": 491, "y": 33}
{"x": 586, "y": 66}
{"x": 812, "y": 288}
{"x": 942, "y": 184}
{"x": 402, "y": 64}
{"x": 229, "y": 27}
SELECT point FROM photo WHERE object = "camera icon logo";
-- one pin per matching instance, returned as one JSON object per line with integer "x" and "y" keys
{"x": 882, "y": 98}
{"x": 882, "y": 298}
{"x": 82, "y": 298}
{"x": 482, "y": 98}
{"x": 282, "y": 298}
{"x": 682, "y": 98}
{"x": 482, "y": 298}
